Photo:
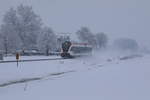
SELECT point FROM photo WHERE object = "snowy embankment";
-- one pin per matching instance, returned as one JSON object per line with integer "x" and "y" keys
{"x": 101, "y": 77}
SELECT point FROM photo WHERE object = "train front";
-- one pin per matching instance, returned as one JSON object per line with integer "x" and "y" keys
{"x": 65, "y": 49}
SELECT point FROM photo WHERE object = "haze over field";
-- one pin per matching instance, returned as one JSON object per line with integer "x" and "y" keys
{"x": 117, "y": 18}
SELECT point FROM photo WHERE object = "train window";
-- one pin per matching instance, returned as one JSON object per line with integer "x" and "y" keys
{"x": 81, "y": 49}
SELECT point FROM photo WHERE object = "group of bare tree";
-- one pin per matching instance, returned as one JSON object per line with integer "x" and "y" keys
{"x": 98, "y": 40}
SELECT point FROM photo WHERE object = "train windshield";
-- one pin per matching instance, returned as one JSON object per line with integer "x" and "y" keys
{"x": 76, "y": 49}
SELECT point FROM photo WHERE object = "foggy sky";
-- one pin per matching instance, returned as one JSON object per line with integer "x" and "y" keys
{"x": 117, "y": 18}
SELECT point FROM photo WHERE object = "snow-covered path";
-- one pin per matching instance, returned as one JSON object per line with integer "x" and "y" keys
{"x": 93, "y": 78}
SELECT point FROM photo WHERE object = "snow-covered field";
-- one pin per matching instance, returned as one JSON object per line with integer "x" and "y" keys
{"x": 100, "y": 77}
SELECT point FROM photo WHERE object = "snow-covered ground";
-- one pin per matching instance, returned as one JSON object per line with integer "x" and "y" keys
{"x": 100, "y": 77}
{"x": 29, "y": 57}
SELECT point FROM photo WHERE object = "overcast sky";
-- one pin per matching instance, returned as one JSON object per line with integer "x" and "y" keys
{"x": 117, "y": 18}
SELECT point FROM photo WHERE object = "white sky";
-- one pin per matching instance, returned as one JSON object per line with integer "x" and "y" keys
{"x": 118, "y": 18}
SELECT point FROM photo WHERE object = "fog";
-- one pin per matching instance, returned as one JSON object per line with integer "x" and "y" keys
{"x": 117, "y": 18}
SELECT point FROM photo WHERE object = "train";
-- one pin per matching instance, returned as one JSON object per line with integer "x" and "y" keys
{"x": 71, "y": 49}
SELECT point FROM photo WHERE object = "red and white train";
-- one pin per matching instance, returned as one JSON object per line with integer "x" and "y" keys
{"x": 70, "y": 50}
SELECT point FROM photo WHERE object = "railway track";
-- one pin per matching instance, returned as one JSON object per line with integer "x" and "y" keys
{"x": 30, "y": 60}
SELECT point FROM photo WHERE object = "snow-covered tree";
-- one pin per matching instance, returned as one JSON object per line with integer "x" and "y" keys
{"x": 85, "y": 35}
{"x": 29, "y": 26}
{"x": 101, "y": 39}
{"x": 8, "y": 31}
{"x": 20, "y": 29}
{"x": 47, "y": 40}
